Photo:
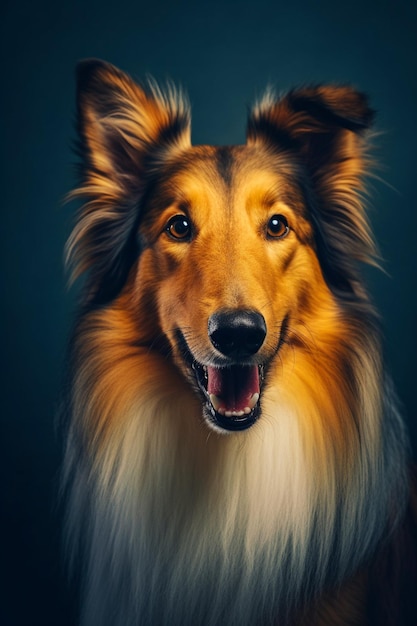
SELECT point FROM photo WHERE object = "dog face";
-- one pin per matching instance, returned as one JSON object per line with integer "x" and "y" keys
{"x": 228, "y": 252}
{"x": 225, "y": 256}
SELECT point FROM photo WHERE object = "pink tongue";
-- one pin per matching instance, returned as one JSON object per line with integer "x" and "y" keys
{"x": 235, "y": 385}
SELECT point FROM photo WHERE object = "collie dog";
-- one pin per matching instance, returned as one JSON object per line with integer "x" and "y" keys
{"x": 234, "y": 454}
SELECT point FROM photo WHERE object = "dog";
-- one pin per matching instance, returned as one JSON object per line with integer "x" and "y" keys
{"x": 235, "y": 453}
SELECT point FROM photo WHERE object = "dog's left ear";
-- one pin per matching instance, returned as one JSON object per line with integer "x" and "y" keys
{"x": 325, "y": 128}
{"x": 323, "y": 124}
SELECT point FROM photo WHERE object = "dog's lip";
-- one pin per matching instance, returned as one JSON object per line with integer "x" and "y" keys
{"x": 230, "y": 420}
{"x": 220, "y": 411}
{"x": 227, "y": 409}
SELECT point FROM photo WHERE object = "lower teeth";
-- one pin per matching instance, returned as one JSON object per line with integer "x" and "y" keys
{"x": 216, "y": 402}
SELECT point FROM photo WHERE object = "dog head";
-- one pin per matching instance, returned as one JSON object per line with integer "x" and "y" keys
{"x": 227, "y": 258}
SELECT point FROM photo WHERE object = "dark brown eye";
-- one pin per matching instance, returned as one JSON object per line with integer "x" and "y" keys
{"x": 277, "y": 227}
{"x": 179, "y": 227}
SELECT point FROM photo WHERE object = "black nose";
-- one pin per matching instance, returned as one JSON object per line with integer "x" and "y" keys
{"x": 237, "y": 334}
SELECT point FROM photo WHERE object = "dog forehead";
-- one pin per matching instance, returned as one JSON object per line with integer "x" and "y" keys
{"x": 247, "y": 173}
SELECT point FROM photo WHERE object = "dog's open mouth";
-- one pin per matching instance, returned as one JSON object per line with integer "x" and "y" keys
{"x": 231, "y": 393}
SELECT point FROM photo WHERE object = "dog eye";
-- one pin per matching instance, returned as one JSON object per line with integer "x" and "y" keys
{"x": 277, "y": 227}
{"x": 179, "y": 227}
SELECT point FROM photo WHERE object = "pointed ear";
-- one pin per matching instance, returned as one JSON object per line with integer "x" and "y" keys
{"x": 125, "y": 132}
{"x": 325, "y": 127}
{"x": 121, "y": 123}
{"x": 322, "y": 123}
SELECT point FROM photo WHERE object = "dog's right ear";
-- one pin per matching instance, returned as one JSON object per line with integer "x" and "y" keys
{"x": 125, "y": 130}
{"x": 121, "y": 123}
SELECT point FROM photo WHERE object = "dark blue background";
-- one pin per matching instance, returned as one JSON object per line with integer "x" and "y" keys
{"x": 224, "y": 54}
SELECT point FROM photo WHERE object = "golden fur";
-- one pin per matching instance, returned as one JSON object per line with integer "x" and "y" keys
{"x": 178, "y": 520}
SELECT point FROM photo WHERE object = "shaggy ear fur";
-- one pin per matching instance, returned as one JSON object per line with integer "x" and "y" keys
{"x": 325, "y": 126}
{"x": 124, "y": 130}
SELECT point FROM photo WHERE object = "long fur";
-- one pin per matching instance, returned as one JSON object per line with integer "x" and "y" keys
{"x": 175, "y": 522}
